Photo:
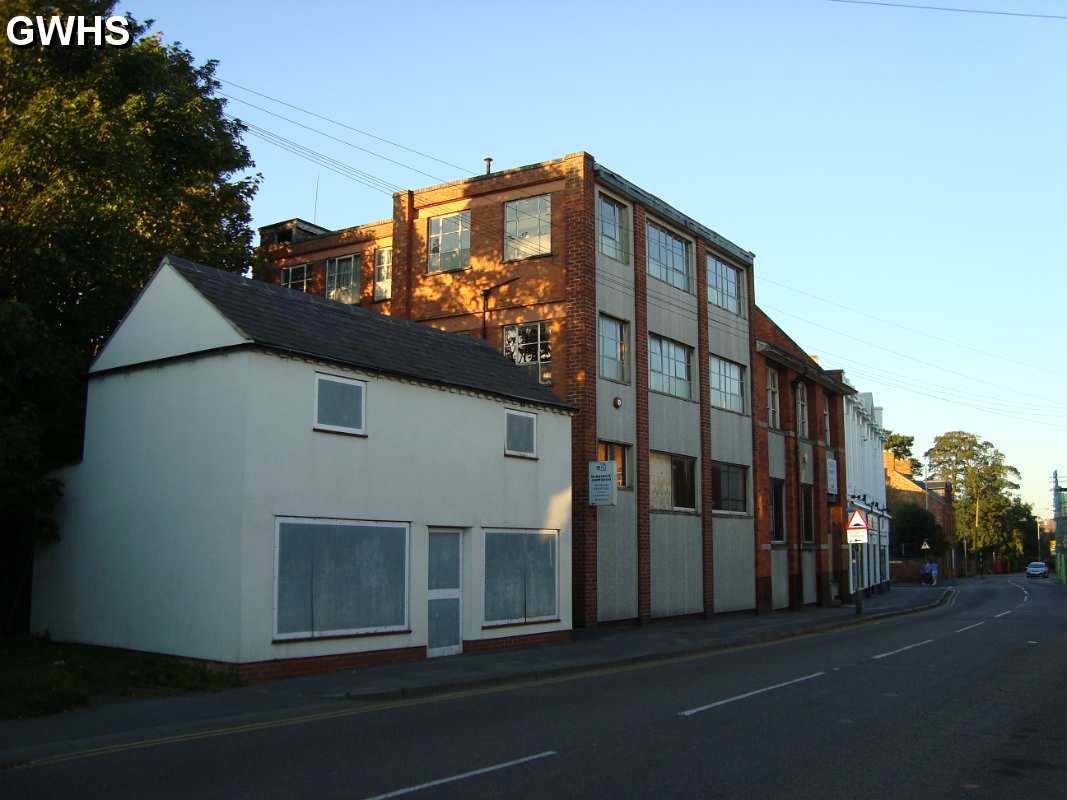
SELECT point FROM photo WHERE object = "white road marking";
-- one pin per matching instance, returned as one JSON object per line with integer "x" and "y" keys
{"x": 746, "y": 695}
{"x": 471, "y": 774}
{"x": 1001, "y": 614}
{"x": 901, "y": 650}
{"x": 961, "y": 630}
{"x": 1031, "y": 642}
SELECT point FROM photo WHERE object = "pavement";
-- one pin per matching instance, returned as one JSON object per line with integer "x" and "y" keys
{"x": 599, "y": 648}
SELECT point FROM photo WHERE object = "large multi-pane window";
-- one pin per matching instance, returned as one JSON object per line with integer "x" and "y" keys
{"x": 295, "y": 277}
{"x": 729, "y": 484}
{"x": 613, "y": 229}
{"x": 614, "y": 349}
{"x": 802, "y": 411}
{"x": 450, "y": 242}
{"x": 668, "y": 256}
{"x": 724, "y": 285}
{"x": 529, "y": 345}
{"x": 672, "y": 482}
{"x": 383, "y": 273}
{"x": 619, "y": 453}
{"x": 777, "y": 510}
{"x": 668, "y": 366}
{"x": 727, "y": 384}
{"x": 772, "y": 397}
{"x": 527, "y": 227}
{"x": 342, "y": 279}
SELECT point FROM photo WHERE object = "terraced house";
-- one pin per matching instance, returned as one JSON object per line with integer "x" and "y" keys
{"x": 635, "y": 314}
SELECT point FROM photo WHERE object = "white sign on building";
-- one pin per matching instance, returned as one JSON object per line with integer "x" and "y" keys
{"x": 603, "y": 489}
{"x": 831, "y": 474}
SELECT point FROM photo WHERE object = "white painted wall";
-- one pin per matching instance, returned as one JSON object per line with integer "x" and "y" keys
{"x": 434, "y": 458}
{"x": 865, "y": 474}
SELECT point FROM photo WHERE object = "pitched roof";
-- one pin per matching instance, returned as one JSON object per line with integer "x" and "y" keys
{"x": 294, "y": 322}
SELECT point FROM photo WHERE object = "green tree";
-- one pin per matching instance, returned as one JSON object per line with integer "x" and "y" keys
{"x": 913, "y": 525}
{"x": 982, "y": 485}
{"x": 900, "y": 446}
{"x": 109, "y": 158}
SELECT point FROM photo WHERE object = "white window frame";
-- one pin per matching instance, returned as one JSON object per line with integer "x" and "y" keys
{"x": 621, "y": 241}
{"x": 519, "y": 453}
{"x": 285, "y": 277}
{"x": 668, "y": 348}
{"x": 464, "y": 234}
{"x": 404, "y": 627}
{"x": 670, "y": 271}
{"x": 773, "y": 411}
{"x": 320, "y": 426}
{"x": 622, "y": 354}
{"x": 803, "y": 428}
{"x": 517, "y": 248}
{"x": 354, "y": 261}
{"x": 383, "y": 273}
{"x": 718, "y": 288}
{"x": 719, "y": 370}
{"x": 499, "y": 623}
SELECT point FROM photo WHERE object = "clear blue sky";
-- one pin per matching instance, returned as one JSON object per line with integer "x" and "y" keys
{"x": 906, "y": 166}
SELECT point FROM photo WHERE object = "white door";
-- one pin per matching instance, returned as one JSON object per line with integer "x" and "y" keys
{"x": 443, "y": 593}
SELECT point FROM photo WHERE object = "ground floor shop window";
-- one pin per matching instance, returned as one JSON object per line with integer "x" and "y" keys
{"x": 521, "y": 576}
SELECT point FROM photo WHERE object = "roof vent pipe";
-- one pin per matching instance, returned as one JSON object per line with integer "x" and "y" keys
{"x": 488, "y": 164}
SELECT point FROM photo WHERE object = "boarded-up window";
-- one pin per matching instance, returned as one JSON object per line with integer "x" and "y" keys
{"x": 520, "y": 576}
{"x": 672, "y": 482}
{"x": 341, "y": 577}
{"x": 520, "y": 433}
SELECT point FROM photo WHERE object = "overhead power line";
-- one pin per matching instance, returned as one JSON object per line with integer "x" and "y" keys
{"x": 951, "y": 9}
{"x": 348, "y": 127}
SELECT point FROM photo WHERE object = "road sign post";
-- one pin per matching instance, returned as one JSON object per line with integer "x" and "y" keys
{"x": 856, "y": 531}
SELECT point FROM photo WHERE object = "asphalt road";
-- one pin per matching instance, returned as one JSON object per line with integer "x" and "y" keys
{"x": 956, "y": 702}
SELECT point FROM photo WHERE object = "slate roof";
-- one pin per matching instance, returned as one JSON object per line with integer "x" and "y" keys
{"x": 294, "y": 322}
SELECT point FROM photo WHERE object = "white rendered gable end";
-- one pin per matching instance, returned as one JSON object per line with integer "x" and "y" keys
{"x": 170, "y": 318}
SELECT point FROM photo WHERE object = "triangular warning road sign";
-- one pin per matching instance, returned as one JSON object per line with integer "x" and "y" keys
{"x": 856, "y": 521}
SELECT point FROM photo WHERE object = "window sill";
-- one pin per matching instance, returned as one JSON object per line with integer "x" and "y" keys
{"x": 730, "y": 411}
{"x": 534, "y": 257}
{"x": 674, "y": 396}
{"x": 447, "y": 271}
{"x": 356, "y": 434}
{"x": 688, "y": 291}
{"x": 722, "y": 512}
{"x": 613, "y": 259}
{"x": 779, "y": 544}
{"x": 681, "y": 512}
{"x": 726, "y": 310}
{"x": 334, "y": 636}
{"x": 495, "y": 626}
{"x": 525, "y": 456}
{"x": 614, "y": 380}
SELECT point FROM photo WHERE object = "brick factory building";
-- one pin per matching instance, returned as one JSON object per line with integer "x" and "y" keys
{"x": 641, "y": 318}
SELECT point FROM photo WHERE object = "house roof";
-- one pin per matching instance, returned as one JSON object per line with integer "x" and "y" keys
{"x": 301, "y": 324}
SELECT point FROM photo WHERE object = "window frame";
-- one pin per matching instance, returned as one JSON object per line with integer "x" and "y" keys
{"x": 718, "y": 373}
{"x": 670, "y": 269}
{"x": 321, "y": 426}
{"x": 622, "y": 243}
{"x": 774, "y": 417}
{"x": 669, "y": 377}
{"x": 519, "y": 453}
{"x": 826, "y": 435}
{"x": 518, "y": 243}
{"x": 388, "y": 281}
{"x": 285, "y": 276}
{"x": 716, "y": 468}
{"x": 464, "y": 233}
{"x": 777, "y": 511}
{"x": 355, "y": 261}
{"x": 488, "y": 623}
{"x": 341, "y": 632}
{"x": 623, "y": 348}
{"x": 714, "y": 263}
{"x": 692, "y": 462}
{"x": 543, "y": 325}
{"x": 803, "y": 424}
{"x": 622, "y": 480}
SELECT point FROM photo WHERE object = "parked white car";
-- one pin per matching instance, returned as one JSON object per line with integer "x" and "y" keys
{"x": 1037, "y": 569}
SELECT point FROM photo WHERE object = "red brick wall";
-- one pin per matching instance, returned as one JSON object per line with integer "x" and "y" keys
{"x": 706, "y": 499}
{"x": 641, "y": 456}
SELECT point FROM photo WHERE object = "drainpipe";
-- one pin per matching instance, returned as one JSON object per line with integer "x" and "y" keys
{"x": 485, "y": 303}
{"x": 799, "y": 492}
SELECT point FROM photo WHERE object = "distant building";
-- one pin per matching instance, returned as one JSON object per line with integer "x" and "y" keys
{"x": 933, "y": 496}
{"x": 864, "y": 440}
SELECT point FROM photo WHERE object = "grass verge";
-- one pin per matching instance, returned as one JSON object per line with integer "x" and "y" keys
{"x": 39, "y": 677}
